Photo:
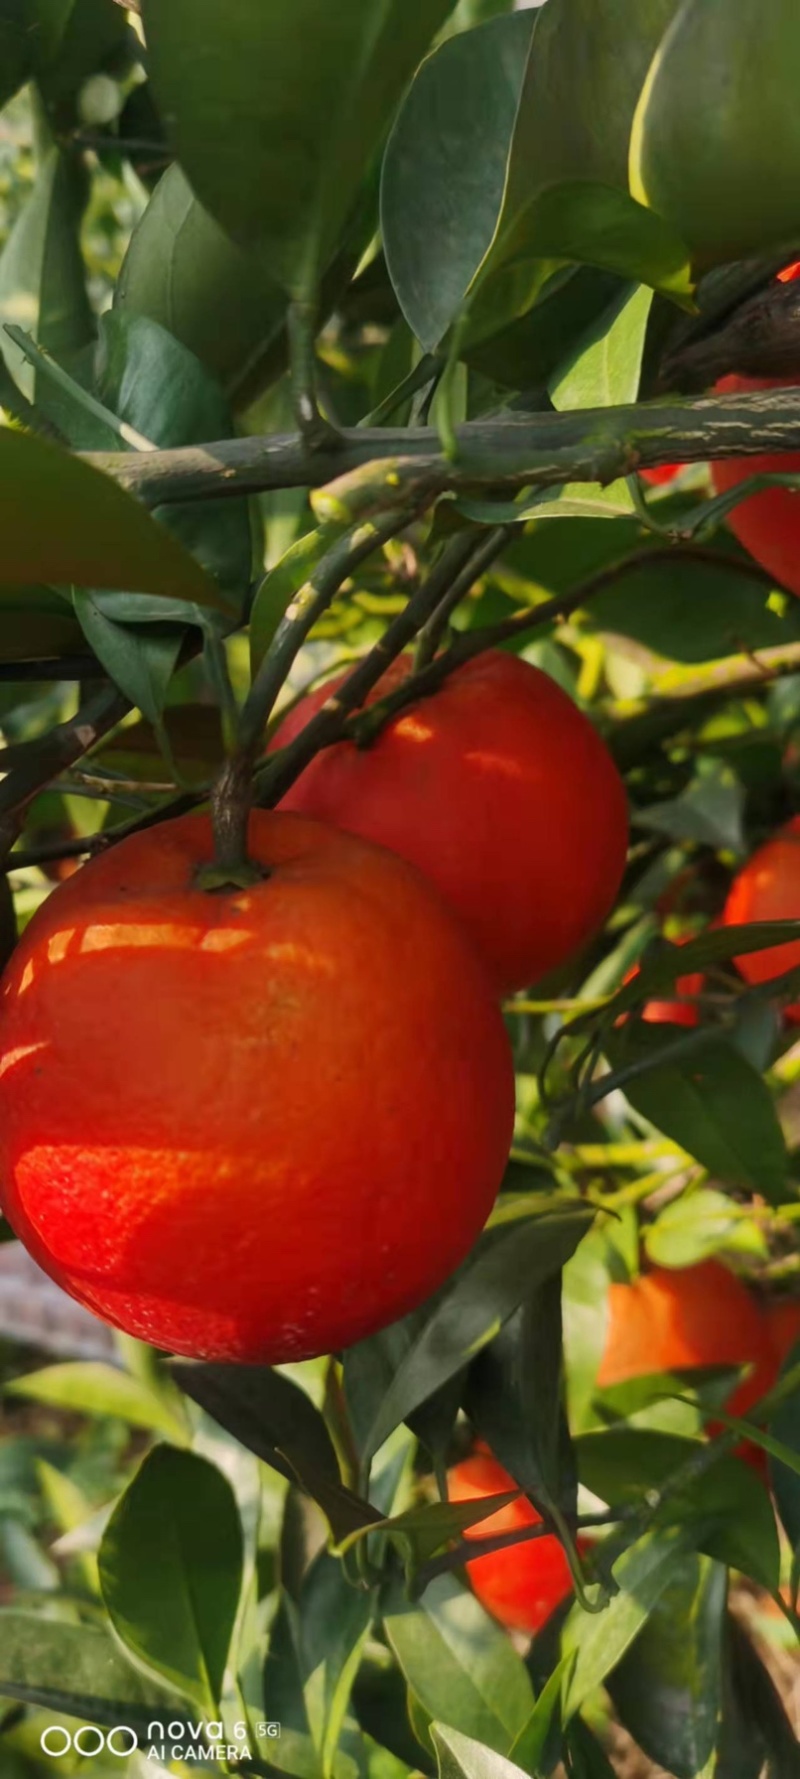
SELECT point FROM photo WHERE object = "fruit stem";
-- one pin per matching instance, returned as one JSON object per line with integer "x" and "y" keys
{"x": 231, "y": 801}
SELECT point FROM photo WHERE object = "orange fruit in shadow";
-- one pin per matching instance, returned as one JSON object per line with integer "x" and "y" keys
{"x": 520, "y": 1586}
{"x": 768, "y": 888}
{"x": 501, "y": 791}
{"x": 253, "y": 1125}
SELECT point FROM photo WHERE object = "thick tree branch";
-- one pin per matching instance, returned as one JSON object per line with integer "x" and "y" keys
{"x": 593, "y": 445}
{"x": 760, "y": 339}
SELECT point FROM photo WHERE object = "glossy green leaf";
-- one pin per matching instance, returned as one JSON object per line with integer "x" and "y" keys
{"x": 462, "y": 1757}
{"x": 171, "y": 1571}
{"x": 700, "y": 154}
{"x": 459, "y": 1663}
{"x": 444, "y": 170}
{"x": 42, "y": 276}
{"x": 162, "y": 390}
{"x": 525, "y": 352}
{"x": 66, "y": 522}
{"x": 76, "y": 1669}
{"x": 668, "y": 1686}
{"x": 90, "y": 1387}
{"x": 712, "y": 1103}
{"x": 513, "y": 1397}
{"x": 642, "y": 1574}
{"x": 140, "y": 659}
{"x": 531, "y": 1744}
{"x": 183, "y": 271}
{"x": 286, "y": 1678}
{"x": 276, "y": 112}
{"x": 275, "y": 1419}
{"x": 485, "y": 1292}
{"x": 709, "y": 812}
{"x": 333, "y": 1621}
{"x": 785, "y": 1426}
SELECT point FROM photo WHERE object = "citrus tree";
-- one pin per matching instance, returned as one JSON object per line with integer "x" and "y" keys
{"x": 400, "y": 696}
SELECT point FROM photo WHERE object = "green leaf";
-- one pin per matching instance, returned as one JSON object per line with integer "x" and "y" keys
{"x": 642, "y": 1574}
{"x": 77, "y": 1669}
{"x": 606, "y": 366}
{"x": 710, "y": 812}
{"x": 15, "y": 48}
{"x": 171, "y": 1571}
{"x": 72, "y": 39}
{"x": 532, "y": 1741}
{"x": 286, "y": 1677}
{"x": 503, "y": 1271}
{"x": 726, "y": 1506}
{"x": 513, "y": 1398}
{"x": 333, "y": 1620}
{"x": 64, "y": 522}
{"x": 274, "y": 1418}
{"x": 462, "y": 1757}
{"x": 697, "y": 1225}
{"x": 461, "y": 1666}
{"x": 37, "y": 624}
{"x": 42, "y": 277}
{"x": 445, "y": 168}
{"x": 182, "y": 271}
{"x": 90, "y": 1387}
{"x": 785, "y": 1426}
{"x": 276, "y": 112}
{"x": 585, "y": 74}
{"x": 712, "y": 1103}
{"x": 162, "y": 390}
{"x": 421, "y": 1531}
{"x": 691, "y": 612}
{"x": 525, "y": 352}
{"x": 140, "y": 659}
{"x": 668, "y": 1686}
{"x": 699, "y": 152}
{"x": 279, "y": 587}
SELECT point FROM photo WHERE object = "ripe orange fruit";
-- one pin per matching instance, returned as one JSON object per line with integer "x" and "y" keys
{"x": 768, "y": 524}
{"x": 666, "y": 472}
{"x": 253, "y": 1125}
{"x": 768, "y": 888}
{"x": 682, "y": 1010}
{"x": 678, "y": 1320}
{"x": 500, "y": 790}
{"x": 521, "y": 1586}
{"x": 783, "y": 1325}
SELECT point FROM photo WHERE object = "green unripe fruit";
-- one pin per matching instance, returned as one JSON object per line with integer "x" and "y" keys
{"x": 715, "y": 147}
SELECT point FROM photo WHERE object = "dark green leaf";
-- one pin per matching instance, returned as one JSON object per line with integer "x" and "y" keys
{"x": 36, "y": 623}
{"x": 72, "y": 39}
{"x": 15, "y": 48}
{"x": 445, "y": 168}
{"x": 162, "y": 390}
{"x": 459, "y": 1663}
{"x": 286, "y": 1681}
{"x": 785, "y": 1426}
{"x": 759, "y": 1712}
{"x": 65, "y": 522}
{"x": 712, "y": 1103}
{"x": 333, "y": 1620}
{"x": 710, "y": 812}
{"x": 76, "y": 1669}
{"x": 587, "y": 1756}
{"x": 171, "y": 1571}
{"x": 513, "y": 1398}
{"x": 642, "y": 1574}
{"x": 274, "y": 1418}
{"x": 276, "y": 112}
{"x": 668, "y": 1686}
{"x": 503, "y": 1271}
{"x": 184, "y": 272}
{"x": 140, "y": 658}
